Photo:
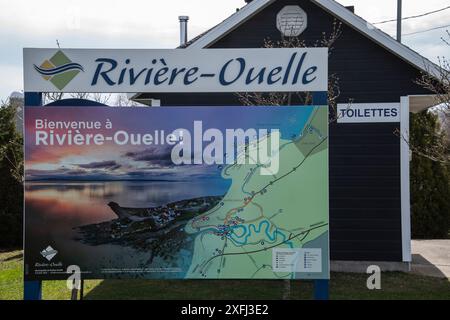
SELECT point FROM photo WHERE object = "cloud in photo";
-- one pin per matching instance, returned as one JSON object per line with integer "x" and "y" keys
{"x": 153, "y": 156}
{"x": 108, "y": 164}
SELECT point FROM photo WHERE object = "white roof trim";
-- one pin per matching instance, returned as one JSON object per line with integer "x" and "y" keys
{"x": 335, "y": 9}
{"x": 230, "y": 23}
{"x": 418, "y": 103}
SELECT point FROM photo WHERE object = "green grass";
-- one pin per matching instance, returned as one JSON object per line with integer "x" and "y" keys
{"x": 395, "y": 285}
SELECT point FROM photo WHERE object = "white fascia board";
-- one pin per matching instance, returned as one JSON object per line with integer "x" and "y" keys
{"x": 132, "y": 95}
{"x": 380, "y": 37}
{"x": 230, "y": 23}
{"x": 418, "y": 103}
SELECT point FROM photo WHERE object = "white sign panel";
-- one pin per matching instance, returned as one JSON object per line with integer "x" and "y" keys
{"x": 297, "y": 260}
{"x": 175, "y": 70}
{"x": 368, "y": 112}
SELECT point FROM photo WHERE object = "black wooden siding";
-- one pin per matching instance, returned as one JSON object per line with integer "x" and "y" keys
{"x": 365, "y": 211}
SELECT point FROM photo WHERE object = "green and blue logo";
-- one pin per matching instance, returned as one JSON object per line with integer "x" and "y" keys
{"x": 59, "y": 70}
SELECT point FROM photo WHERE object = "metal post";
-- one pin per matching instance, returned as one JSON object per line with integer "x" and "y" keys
{"x": 74, "y": 294}
{"x": 32, "y": 290}
{"x": 77, "y": 292}
{"x": 320, "y": 98}
{"x": 321, "y": 289}
{"x": 183, "y": 29}
{"x": 33, "y": 99}
{"x": 399, "y": 21}
{"x": 81, "y": 289}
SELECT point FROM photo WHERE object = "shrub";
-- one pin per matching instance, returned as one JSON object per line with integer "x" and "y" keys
{"x": 430, "y": 184}
{"x": 11, "y": 188}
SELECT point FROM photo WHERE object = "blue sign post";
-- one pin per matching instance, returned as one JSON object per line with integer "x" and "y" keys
{"x": 32, "y": 290}
{"x": 321, "y": 287}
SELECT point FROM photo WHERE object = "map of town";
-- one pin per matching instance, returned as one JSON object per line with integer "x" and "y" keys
{"x": 259, "y": 213}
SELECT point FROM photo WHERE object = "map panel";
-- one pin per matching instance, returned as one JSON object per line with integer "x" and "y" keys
{"x": 182, "y": 192}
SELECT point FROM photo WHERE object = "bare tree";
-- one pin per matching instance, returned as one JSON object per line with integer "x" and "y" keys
{"x": 11, "y": 148}
{"x": 101, "y": 97}
{"x": 49, "y": 97}
{"x": 305, "y": 98}
{"x": 282, "y": 98}
{"x": 439, "y": 85}
{"x": 80, "y": 95}
{"x": 123, "y": 101}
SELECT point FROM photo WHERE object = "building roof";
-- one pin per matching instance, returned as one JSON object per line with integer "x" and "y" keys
{"x": 214, "y": 34}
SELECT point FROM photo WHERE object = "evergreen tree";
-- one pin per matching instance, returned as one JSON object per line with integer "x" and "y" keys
{"x": 11, "y": 187}
{"x": 430, "y": 184}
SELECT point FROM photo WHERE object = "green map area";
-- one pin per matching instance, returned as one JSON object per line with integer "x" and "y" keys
{"x": 261, "y": 214}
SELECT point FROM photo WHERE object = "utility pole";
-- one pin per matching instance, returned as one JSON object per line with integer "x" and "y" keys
{"x": 399, "y": 21}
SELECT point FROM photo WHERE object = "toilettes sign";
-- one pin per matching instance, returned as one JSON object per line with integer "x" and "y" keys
{"x": 368, "y": 112}
{"x": 207, "y": 70}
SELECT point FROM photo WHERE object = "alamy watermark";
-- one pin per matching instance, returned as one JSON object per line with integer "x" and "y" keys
{"x": 74, "y": 279}
{"x": 198, "y": 146}
{"x": 374, "y": 280}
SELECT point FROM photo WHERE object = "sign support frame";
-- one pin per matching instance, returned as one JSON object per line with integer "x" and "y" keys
{"x": 321, "y": 286}
{"x": 32, "y": 290}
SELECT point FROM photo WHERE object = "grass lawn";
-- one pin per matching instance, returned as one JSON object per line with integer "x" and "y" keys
{"x": 395, "y": 285}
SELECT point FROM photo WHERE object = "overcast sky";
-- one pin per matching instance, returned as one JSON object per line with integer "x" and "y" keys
{"x": 154, "y": 24}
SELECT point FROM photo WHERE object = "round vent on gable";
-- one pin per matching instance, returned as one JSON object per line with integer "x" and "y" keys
{"x": 292, "y": 21}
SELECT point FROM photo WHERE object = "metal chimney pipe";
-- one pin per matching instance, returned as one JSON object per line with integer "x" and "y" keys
{"x": 399, "y": 21}
{"x": 183, "y": 29}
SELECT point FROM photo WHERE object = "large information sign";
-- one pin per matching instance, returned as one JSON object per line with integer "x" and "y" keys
{"x": 189, "y": 192}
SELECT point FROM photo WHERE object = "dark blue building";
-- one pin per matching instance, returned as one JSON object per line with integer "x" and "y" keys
{"x": 369, "y": 164}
